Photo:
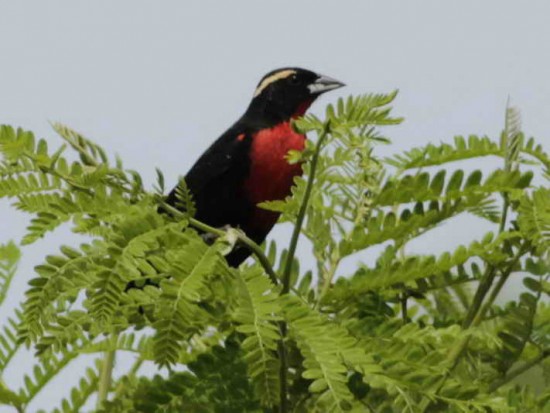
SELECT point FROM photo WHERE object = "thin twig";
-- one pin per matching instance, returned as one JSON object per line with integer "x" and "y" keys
{"x": 488, "y": 277}
{"x": 511, "y": 375}
{"x": 404, "y": 298}
{"x": 328, "y": 280}
{"x": 283, "y": 402}
{"x": 457, "y": 351}
{"x": 303, "y": 209}
{"x": 281, "y": 351}
{"x": 106, "y": 377}
{"x": 241, "y": 237}
{"x": 498, "y": 287}
{"x": 481, "y": 292}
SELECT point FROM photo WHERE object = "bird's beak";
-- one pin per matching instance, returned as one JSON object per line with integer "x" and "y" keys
{"x": 323, "y": 84}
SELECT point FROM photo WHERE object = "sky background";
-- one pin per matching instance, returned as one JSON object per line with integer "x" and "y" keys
{"x": 157, "y": 82}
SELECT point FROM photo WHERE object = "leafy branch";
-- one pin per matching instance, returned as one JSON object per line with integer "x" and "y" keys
{"x": 403, "y": 332}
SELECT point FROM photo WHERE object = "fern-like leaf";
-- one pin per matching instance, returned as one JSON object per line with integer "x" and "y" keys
{"x": 178, "y": 314}
{"x": 390, "y": 272}
{"x": 257, "y": 316}
{"x": 534, "y": 219}
{"x": 90, "y": 153}
{"x": 215, "y": 382}
{"x": 80, "y": 393}
{"x": 516, "y": 331}
{"x": 9, "y": 258}
{"x": 325, "y": 347}
{"x": 8, "y": 340}
{"x": 432, "y": 155}
{"x": 48, "y": 368}
{"x": 423, "y": 187}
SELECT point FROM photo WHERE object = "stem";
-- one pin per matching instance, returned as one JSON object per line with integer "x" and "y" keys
{"x": 281, "y": 350}
{"x": 67, "y": 179}
{"x": 519, "y": 370}
{"x": 106, "y": 377}
{"x": 481, "y": 292}
{"x": 302, "y": 211}
{"x": 404, "y": 296}
{"x": 404, "y": 315}
{"x": 504, "y": 277}
{"x": 504, "y": 212}
{"x": 283, "y": 403}
{"x": 328, "y": 280}
{"x": 241, "y": 237}
{"x": 489, "y": 276}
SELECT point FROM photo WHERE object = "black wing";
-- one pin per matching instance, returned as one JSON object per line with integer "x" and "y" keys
{"x": 217, "y": 178}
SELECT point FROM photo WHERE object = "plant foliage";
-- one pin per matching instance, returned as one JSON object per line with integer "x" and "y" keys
{"x": 407, "y": 332}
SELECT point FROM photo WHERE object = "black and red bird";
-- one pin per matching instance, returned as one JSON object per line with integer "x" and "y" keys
{"x": 247, "y": 164}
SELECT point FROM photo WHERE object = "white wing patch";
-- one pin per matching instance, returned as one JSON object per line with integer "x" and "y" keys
{"x": 273, "y": 78}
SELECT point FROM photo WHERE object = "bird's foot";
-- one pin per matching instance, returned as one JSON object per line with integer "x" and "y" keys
{"x": 209, "y": 238}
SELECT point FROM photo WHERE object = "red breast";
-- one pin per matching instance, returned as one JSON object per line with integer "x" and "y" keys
{"x": 271, "y": 176}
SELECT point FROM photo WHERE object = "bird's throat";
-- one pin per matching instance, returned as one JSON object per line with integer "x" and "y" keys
{"x": 301, "y": 110}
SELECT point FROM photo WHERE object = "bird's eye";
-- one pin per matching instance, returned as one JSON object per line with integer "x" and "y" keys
{"x": 293, "y": 80}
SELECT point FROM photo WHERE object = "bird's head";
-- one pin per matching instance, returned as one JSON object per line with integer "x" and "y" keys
{"x": 288, "y": 92}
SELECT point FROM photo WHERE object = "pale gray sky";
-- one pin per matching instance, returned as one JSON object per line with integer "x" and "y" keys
{"x": 157, "y": 82}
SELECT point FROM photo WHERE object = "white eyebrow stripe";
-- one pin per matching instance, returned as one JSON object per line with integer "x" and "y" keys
{"x": 274, "y": 77}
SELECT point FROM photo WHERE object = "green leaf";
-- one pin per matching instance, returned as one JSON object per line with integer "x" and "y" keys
{"x": 9, "y": 397}
{"x": 9, "y": 258}
{"x": 178, "y": 314}
{"x": 534, "y": 219}
{"x": 325, "y": 347}
{"x": 257, "y": 316}
{"x": 432, "y": 155}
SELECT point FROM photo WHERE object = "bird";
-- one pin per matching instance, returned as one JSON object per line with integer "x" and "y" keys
{"x": 248, "y": 163}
